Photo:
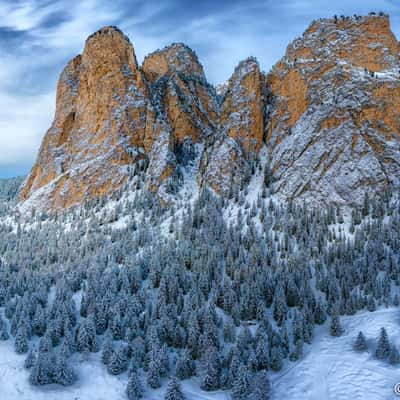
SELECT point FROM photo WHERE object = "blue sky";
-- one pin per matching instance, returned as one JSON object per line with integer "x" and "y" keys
{"x": 38, "y": 37}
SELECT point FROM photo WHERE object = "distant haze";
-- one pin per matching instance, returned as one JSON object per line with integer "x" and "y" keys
{"x": 38, "y": 37}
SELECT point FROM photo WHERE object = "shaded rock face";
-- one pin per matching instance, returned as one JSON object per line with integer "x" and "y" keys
{"x": 186, "y": 105}
{"x": 328, "y": 114}
{"x": 334, "y": 117}
{"x": 226, "y": 164}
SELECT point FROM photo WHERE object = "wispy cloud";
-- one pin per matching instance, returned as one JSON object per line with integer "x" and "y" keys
{"x": 37, "y": 38}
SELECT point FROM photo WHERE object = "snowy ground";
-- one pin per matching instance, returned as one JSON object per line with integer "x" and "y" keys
{"x": 331, "y": 370}
{"x": 94, "y": 382}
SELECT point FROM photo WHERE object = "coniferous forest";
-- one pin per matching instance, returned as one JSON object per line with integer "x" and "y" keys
{"x": 224, "y": 290}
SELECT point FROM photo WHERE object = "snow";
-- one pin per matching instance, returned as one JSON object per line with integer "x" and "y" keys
{"x": 332, "y": 370}
{"x": 94, "y": 382}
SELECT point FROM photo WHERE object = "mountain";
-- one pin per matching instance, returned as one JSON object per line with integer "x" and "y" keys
{"x": 323, "y": 123}
{"x": 334, "y": 121}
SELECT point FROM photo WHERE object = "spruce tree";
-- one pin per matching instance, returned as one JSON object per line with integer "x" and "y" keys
{"x": 107, "y": 350}
{"x": 360, "y": 343}
{"x": 394, "y": 356}
{"x": 134, "y": 390}
{"x": 153, "y": 375}
{"x": 21, "y": 342}
{"x": 30, "y": 359}
{"x": 261, "y": 387}
{"x": 335, "y": 327}
{"x": 118, "y": 362}
{"x": 383, "y": 347}
{"x": 174, "y": 391}
{"x": 185, "y": 367}
{"x": 241, "y": 384}
{"x": 63, "y": 375}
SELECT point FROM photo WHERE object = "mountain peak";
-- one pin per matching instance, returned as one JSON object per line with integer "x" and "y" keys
{"x": 328, "y": 115}
{"x": 174, "y": 58}
{"x": 108, "y": 30}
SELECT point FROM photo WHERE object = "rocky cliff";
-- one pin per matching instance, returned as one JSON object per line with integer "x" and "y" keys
{"x": 328, "y": 114}
{"x": 334, "y": 117}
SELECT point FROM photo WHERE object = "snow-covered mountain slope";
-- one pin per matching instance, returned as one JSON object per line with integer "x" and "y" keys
{"x": 332, "y": 370}
{"x": 226, "y": 295}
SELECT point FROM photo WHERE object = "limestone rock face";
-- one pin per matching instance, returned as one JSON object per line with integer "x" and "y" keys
{"x": 334, "y": 117}
{"x": 100, "y": 126}
{"x": 243, "y": 107}
{"x": 328, "y": 114}
{"x": 241, "y": 130}
{"x": 186, "y": 104}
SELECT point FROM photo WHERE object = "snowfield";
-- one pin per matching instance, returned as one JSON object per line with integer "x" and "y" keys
{"x": 330, "y": 370}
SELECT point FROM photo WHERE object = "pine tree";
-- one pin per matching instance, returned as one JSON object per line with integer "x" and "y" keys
{"x": 280, "y": 307}
{"x": 174, "y": 391}
{"x": 276, "y": 358}
{"x": 43, "y": 369}
{"x": 394, "y": 356}
{"x": 21, "y": 343}
{"x": 211, "y": 370}
{"x": 241, "y": 384}
{"x": 319, "y": 314}
{"x": 360, "y": 343}
{"x": 261, "y": 387}
{"x": 383, "y": 347}
{"x": 63, "y": 374}
{"x": 134, "y": 389}
{"x": 4, "y": 333}
{"x": 335, "y": 327}
{"x": 107, "y": 350}
{"x": 118, "y": 362}
{"x": 153, "y": 375}
{"x": 185, "y": 367}
{"x": 30, "y": 359}
{"x": 297, "y": 353}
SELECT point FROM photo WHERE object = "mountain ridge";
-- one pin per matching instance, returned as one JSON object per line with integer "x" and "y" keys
{"x": 327, "y": 116}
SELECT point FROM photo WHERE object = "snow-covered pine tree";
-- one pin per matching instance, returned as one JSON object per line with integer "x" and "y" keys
{"x": 118, "y": 361}
{"x": 383, "y": 347}
{"x": 261, "y": 387}
{"x": 63, "y": 375}
{"x": 360, "y": 343}
{"x": 394, "y": 355}
{"x": 185, "y": 367}
{"x": 174, "y": 391}
{"x": 107, "y": 350}
{"x": 30, "y": 359}
{"x": 153, "y": 375}
{"x": 335, "y": 326}
{"x": 241, "y": 384}
{"x": 134, "y": 389}
{"x": 21, "y": 345}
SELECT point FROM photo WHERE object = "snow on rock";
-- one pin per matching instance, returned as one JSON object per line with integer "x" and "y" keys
{"x": 328, "y": 113}
{"x": 334, "y": 120}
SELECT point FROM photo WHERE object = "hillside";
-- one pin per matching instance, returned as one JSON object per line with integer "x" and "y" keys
{"x": 177, "y": 241}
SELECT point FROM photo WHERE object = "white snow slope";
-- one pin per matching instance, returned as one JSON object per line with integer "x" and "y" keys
{"x": 330, "y": 370}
